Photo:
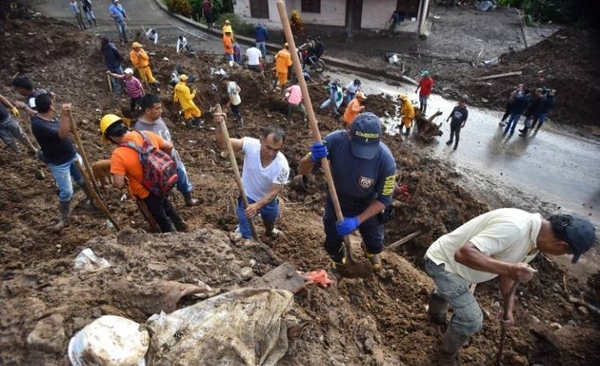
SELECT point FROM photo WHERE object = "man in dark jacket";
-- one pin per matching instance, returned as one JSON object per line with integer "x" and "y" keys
{"x": 112, "y": 60}
{"x": 261, "y": 35}
{"x": 532, "y": 112}
{"x": 519, "y": 106}
{"x": 547, "y": 104}
{"x": 459, "y": 116}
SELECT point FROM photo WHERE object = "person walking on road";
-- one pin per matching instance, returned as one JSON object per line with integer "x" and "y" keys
{"x": 424, "y": 90}
{"x": 547, "y": 105}
{"x": 207, "y": 12}
{"x": 10, "y": 130}
{"x": 265, "y": 172}
{"x": 228, "y": 29}
{"x": 261, "y": 36}
{"x": 113, "y": 61}
{"x": 519, "y": 106}
{"x": 364, "y": 174}
{"x": 283, "y": 61}
{"x": 295, "y": 102}
{"x": 498, "y": 243}
{"x": 133, "y": 87}
{"x": 117, "y": 12}
{"x": 185, "y": 97}
{"x": 127, "y": 170}
{"x": 58, "y": 153}
{"x": 354, "y": 108}
{"x": 76, "y": 10}
{"x": 407, "y": 111}
{"x": 532, "y": 113}
{"x": 228, "y": 48}
{"x": 151, "y": 120}
{"x": 518, "y": 90}
{"x": 140, "y": 59}
{"x": 459, "y": 116}
{"x": 88, "y": 9}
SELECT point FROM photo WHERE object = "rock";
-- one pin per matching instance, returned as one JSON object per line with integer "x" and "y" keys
{"x": 555, "y": 326}
{"x": 484, "y": 100}
{"x": 48, "y": 335}
{"x": 246, "y": 272}
{"x": 39, "y": 174}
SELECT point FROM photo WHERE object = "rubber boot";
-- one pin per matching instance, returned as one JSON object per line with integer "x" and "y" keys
{"x": 451, "y": 348}
{"x": 189, "y": 200}
{"x": 270, "y": 230}
{"x": 87, "y": 194}
{"x": 95, "y": 22}
{"x": 375, "y": 261}
{"x": 65, "y": 216}
{"x": 407, "y": 131}
{"x": 181, "y": 225}
{"x": 438, "y": 307}
{"x": 197, "y": 122}
{"x": 27, "y": 142}
{"x": 189, "y": 123}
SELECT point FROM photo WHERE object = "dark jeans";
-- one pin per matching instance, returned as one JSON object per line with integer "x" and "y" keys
{"x": 370, "y": 230}
{"x": 163, "y": 212}
{"x": 455, "y": 132}
{"x": 506, "y": 112}
{"x": 235, "y": 109}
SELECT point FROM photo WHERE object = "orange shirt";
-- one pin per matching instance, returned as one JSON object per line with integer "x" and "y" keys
{"x": 228, "y": 45}
{"x": 283, "y": 60}
{"x": 126, "y": 161}
{"x": 352, "y": 111}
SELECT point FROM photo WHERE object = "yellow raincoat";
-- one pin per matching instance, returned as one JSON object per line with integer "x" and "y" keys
{"x": 185, "y": 98}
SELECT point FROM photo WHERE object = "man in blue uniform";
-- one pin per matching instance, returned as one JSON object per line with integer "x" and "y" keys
{"x": 364, "y": 173}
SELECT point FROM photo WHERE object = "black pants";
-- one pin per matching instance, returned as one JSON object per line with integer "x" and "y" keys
{"x": 455, "y": 132}
{"x": 133, "y": 102}
{"x": 237, "y": 112}
{"x": 506, "y": 112}
{"x": 163, "y": 212}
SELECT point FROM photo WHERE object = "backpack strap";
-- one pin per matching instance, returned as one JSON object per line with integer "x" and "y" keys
{"x": 135, "y": 146}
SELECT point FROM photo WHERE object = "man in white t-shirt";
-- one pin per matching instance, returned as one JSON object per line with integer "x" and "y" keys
{"x": 497, "y": 243}
{"x": 235, "y": 101}
{"x": 254, "y": 56}
{"x": 152, "y": 35}
{"x": 182, "y": 43}
{"x": 265, "y": 172}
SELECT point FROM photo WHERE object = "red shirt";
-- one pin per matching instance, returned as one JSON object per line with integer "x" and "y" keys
{"x": 426, "y": 84}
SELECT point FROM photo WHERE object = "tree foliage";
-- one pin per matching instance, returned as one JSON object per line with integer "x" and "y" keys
{"x": 562, "y": 11}
{"x": 182, "y": 7}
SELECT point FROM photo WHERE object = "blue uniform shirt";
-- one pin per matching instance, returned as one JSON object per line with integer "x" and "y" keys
{"x": 360, "y": 179}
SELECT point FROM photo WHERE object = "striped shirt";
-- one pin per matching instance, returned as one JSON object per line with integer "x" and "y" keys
{"x": 133, "y": 87}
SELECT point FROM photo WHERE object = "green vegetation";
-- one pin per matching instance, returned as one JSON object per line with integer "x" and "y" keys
{"x": 561, "y": 11}
{"x": 180, "y": 7}
{"x": 238, "y": 25}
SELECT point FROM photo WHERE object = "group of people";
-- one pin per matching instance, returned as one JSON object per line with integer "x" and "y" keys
{"x": 533, "y": 104}
{"x": 78, "y": 8}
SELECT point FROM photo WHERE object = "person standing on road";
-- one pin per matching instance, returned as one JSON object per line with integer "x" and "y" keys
{"x": 425, "y": 86}
{"x": 255, "y": 59}
{"x": 498, "y": 243}
{"x": 112, "y": 60}
{"x": 459, "y": 116}
{"x": 364, "y": 174}
{"x": 334, "y": 90}
{"x": 228, "y": 48}
{"x": 76, "y": 10}
{"x": 293, "y": 96}
{"x": 10, "y": 128}
{"x": 354, "y": 108}
{"x": 532, "y": 113}
{"x": 283, "y": 61}
{"x": 265, "y": 172}
{"x": 88, "y": 9}
{"x": 519, "y": 106}
{"x": 151, "y": 120}
{"x": 228, "y": 29}
{"x": 127, "y": 170}
{"x": 518, "y": 90}
{"x": 546, "y": 106}
{"x": 58, "y": 153}
{"x": 261, "y": 36}
{"x": 133, "y": 87}
{"x": 407, "y": 111}
{"x": 185, "y": 97}
{"x": 351, "y": 89}
{"x": 117, "y": 12}
{"x": 140, "y": 59}
{"x": 207, "y": 11}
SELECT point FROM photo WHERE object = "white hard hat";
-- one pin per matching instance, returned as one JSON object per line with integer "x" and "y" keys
{"x": 128, "y": 71}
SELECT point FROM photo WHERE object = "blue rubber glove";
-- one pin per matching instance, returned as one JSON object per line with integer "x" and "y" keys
{"x": 348, "y": 225}
{"x": 318, "y": 151}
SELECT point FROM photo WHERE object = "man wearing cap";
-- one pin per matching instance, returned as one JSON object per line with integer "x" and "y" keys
{"x": 497, "y": 243}
{"x": 117, "y": 12}
{"x": 127, "y": 170}
{"x": 133, "y": 87}
{"x": 228, "y": 47}
{"x": 364, "y": 173}
{"x": 283, "y": 61}
{"x": 227, "y": 29}
{"x": 354, "y": 108}
{"x": 139, "y": 58}
{"x": 185, "y": 97}
{"x": 425, "y": 86}
{"x": 351, "y": 89}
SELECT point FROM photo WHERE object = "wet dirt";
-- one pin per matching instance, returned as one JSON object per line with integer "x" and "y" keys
{"x": 376, "y": 321}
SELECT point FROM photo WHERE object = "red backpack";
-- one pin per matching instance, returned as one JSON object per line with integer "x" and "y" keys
{"x": 160, "y": 170}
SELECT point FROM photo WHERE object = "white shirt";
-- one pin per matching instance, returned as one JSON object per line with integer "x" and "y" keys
{"x": 352, "y": 88}
{"x": 152, "y": 35}
{"x": 181, "y": 43}
{"x": 253, "y": 54}
{"x": 232, "y": 91}
{"x": 256, "y": 179}
{"x": 506, "y": 234}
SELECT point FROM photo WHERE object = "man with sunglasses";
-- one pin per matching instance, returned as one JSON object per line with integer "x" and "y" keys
{"x": 498, "y": 243}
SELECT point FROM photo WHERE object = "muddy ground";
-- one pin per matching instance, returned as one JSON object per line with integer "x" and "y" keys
{"x": 377, "y": 321}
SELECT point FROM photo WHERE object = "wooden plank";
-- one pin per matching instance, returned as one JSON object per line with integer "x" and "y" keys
{"x": 503, "y": 75}
{"x": 406, "y": 239}
{"x": 284, "y": 277}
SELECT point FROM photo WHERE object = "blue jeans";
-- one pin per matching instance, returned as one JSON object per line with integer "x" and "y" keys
{"x": 229, "y": 57}
{"x": 541, "y": 119}
{"x": 349, "y": 96}
{"x": 268, "y": 213}
{"x": 513, "y": 121}
{"x": 467, "y": 317}
{"x": 262, "y": 46}
{"x": 423, "y": 102}
{"x": 370, "y": 230}
{"x": 329, "y": 102}
{"x": 62, "y": 177}
{"x": 122, "y": 28}
{"x": 116, "y": 83}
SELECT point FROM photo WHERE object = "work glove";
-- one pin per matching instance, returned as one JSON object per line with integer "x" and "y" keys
{"x": 318, "y": 151}
{"x": 15, "y": 112}
{"x": 346, "y": 226}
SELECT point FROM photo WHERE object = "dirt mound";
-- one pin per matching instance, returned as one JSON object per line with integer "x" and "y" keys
{"x": 377, "y": 321}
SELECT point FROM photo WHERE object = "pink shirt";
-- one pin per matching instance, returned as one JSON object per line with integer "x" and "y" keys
{"x": 295, "y": 94}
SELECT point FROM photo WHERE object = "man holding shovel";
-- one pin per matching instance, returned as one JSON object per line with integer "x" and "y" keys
{"x": 265, "y": 172}
{"x": 364, "y": 173}
{"x": 497, "y": 243}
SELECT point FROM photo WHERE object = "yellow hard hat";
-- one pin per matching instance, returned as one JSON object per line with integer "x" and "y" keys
{"x": 183, "y": 77}
{"x": 227, "y": 21}
{"x": 136, "y": 45}
{"x": 403, "y": 97}
{"x": 107, "y": 121}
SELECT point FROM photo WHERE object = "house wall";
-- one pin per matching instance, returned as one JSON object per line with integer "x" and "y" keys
{"x": 375, "y": 13}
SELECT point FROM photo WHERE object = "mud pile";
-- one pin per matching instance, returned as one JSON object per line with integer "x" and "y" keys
{"x": 377, "y": 321}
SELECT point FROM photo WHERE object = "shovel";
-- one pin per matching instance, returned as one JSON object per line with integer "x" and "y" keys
{"x": 351, "y": 269}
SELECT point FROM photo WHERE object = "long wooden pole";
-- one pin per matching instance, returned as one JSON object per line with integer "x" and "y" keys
{"x": 297, "y": 65}
{"x": 236, "y": 170}
{"x": 86, "y": 163}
